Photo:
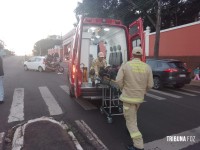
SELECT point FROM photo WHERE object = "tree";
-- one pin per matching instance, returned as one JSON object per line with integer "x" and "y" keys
{"x": 97, "y": 8}
{"x": 41, "y": 47}
{"x": 174, "y": 12}
{"x": 157, "y": 38}
{"x": 1, "y": 44}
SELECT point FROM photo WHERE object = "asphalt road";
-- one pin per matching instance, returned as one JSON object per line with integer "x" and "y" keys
{"x": 170, "y": 112}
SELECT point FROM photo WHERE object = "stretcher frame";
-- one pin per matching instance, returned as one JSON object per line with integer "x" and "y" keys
{"x": 110, "y": 101}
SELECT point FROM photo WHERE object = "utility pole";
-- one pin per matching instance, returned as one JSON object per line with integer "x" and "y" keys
{"x": 157, "y": 37}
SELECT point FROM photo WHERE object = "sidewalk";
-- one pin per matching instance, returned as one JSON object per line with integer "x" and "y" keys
{"x": 195, "y": 82}
{"x": 43, "y": 133}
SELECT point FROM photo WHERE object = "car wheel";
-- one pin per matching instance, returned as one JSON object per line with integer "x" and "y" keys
{"x": 60, "y": 69}
{"x": 40, "y": 69}
{"x": 157, "y": 83}
{"x": 179, "y": 85}
{"x": 25, "y": 67}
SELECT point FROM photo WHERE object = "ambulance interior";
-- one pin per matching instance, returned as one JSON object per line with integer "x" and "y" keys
{"x": 107, "y": 39}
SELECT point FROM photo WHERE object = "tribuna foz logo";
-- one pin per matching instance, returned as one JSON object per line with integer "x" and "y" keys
{"x": 181, "y": 139}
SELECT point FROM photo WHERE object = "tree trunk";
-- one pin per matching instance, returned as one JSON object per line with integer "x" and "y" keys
{"x": 157, "y": 37}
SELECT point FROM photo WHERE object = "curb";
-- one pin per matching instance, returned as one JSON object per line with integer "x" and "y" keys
{"x": 18, "y": 138}
{"x": 195, "y": 83}
{"x": 2, "y": 137}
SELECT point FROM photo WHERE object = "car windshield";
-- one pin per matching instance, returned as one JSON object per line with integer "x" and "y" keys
{"x": 177, "y": 64}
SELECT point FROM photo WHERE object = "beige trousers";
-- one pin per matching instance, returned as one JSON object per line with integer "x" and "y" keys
{"x": 130, "y": 114}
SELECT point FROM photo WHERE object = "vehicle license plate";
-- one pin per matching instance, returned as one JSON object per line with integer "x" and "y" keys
{"x": 182, "y": 75}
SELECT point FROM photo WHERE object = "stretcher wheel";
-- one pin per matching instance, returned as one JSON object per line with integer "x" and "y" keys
{"x": 101, "y": 110}
{"x": 120, "y": 109}
{"x": 109, "y": 119}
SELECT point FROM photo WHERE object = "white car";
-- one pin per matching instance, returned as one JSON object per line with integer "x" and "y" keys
{"x": 35, "y": 63}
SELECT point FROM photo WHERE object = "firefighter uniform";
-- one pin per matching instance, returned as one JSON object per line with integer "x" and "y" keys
{"x": 96, "y": 65}
{"x": 134, "y": 79}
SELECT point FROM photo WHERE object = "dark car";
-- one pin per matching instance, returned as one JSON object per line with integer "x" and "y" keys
{"x": 169, "y": 72}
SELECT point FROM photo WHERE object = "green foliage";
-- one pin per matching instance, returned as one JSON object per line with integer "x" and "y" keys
{"x": 174, "y": 12}
{"x": 41, "y": 47}
{"x": 97, "y": 8}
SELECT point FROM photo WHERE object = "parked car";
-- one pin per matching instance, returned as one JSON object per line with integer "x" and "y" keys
{"x": 169, "y": 72}
{"x": 35, "y": 63}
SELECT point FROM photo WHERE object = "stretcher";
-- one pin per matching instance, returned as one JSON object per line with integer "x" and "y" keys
{"x": 111, "y": 105}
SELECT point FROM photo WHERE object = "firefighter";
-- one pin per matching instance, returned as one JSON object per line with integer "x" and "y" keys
{"x": 98, "y": 63}
{"x": 134, "y": 79}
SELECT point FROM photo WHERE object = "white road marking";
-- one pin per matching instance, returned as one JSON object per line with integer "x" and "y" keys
{"x": 78, "y": 146}
{"x": 17, "y": 108}
{"x": 92, "y": 137}
{"x": 65, "y": 88}
{"x": 50, "y": 101}
{"x": 155, "y": 96}
{"x": 83, "y": 102}
{"x": 163, "y": 144}
{"x": 181, "y": 92}
{"x": 191, "y": 90}
{"x": 165, "y": 93}
{"x": 2, "y": 134}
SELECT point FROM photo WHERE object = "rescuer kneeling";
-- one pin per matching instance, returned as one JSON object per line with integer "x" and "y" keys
{"x": 134, "y": 79}
{"x": 98, "y": 63}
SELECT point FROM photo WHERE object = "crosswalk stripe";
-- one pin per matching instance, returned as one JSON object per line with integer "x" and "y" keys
{"x": 181, "y": 92}
{"x": 191, "y": 136}
{"x": 65, "y": 88}
{"x": 92, "y": 137}
{"x": 165, "y": 93}
{"x": 2, "y": 134}
{"x": 155, "y": 96}
{"x": 83, "y": 102}
{"x": 191, "y": 90}
{"x": 50, "y": 101}
{"x": 17, "y": 107}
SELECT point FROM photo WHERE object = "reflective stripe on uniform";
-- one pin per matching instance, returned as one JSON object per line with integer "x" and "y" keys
{"x": 135, "y": 135}
{"x": 131, "y": 100}
{"x": 126, "y": 108}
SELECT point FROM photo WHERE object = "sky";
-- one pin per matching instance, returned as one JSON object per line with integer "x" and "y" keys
{"x": 24, "y": 22}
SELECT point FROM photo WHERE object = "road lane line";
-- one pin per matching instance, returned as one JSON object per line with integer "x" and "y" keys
{"x": 2, "y": 137}
{"x": 17, "y": 107}
{"x": 83, "y": 102}
{"x": 92, "y": 137}
{"x": 163, "y": 144}
{"x": 53, "y": 106}
{"x": 65, "y": 88}
{"x": 181, "y": 92}
{"x": 165, "y": 93}
{"x": 190, "y": 90}
{"x": 155, "y": 96}
{"x": 2, "y": 134}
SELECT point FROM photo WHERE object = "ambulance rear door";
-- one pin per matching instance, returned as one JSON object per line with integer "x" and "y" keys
{"x": 76, "y": 67}
{"x": 136, "y": 37}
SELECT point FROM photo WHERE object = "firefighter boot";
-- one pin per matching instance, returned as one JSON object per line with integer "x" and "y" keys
{"x": 131, "y": 147}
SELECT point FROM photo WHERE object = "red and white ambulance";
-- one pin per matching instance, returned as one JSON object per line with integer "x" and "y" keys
{"x": 94, "y": 35}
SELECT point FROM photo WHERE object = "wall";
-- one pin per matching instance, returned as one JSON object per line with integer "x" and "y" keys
{"x": 182, "y": 43}
{"x": 178, "y": 41}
